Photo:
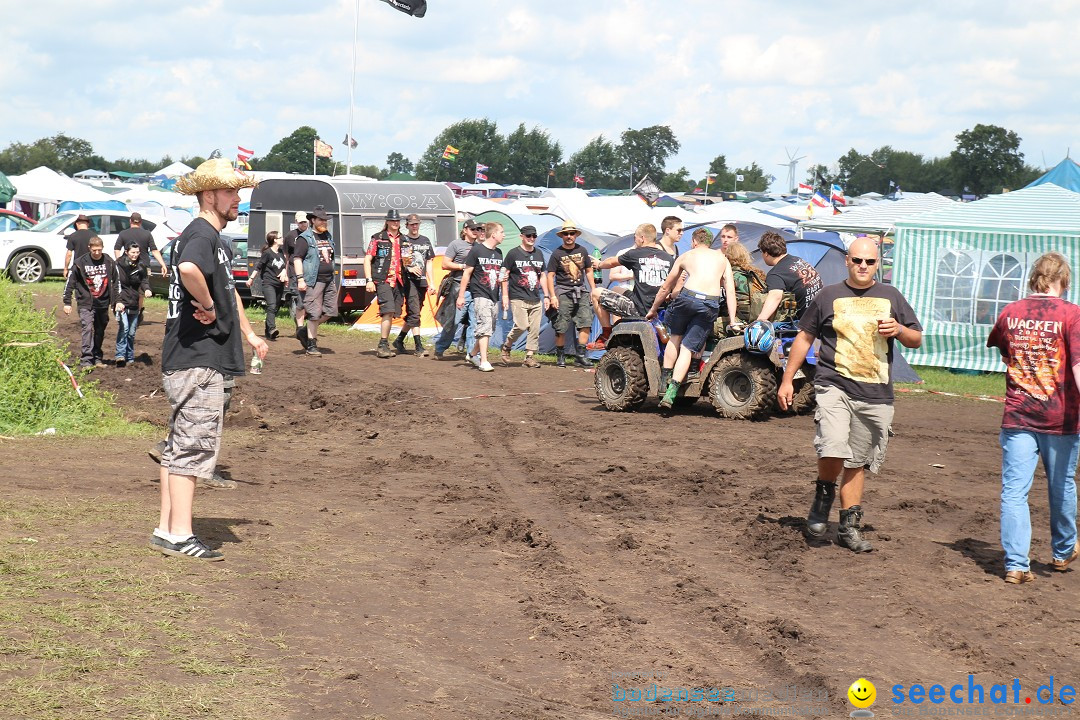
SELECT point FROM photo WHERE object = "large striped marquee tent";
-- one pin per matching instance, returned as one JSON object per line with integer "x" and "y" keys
{"x": 960, "y": 265}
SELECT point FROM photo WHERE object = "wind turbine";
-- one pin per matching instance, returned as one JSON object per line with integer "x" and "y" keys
{"x": 791, "y": 164}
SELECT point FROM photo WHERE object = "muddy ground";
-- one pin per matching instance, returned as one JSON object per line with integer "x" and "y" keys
{"x": 457, "y": 553}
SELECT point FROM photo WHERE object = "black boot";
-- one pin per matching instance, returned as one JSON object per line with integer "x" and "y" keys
{"x": 849, "y": 532}
{"x": 665, "y": 378}
{"x": 301, "y": 335}
{"x": 583, "y": 360}
{"x": 313, "y": 347}
{"x": 399, "y": 344}
{"x": 817, "y": 522}
{"x": 560, "y": 357}
{"x": 420, "y": 350}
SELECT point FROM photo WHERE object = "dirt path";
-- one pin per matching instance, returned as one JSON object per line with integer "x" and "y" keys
{"x": 504, "y": 556}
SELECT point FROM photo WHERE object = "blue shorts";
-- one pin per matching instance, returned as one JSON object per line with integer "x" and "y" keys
{"x": 692, "y": 318}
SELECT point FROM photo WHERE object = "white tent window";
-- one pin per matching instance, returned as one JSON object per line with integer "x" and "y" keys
{"x": 1000, "y": 282}
{"x": 955, "y": 286}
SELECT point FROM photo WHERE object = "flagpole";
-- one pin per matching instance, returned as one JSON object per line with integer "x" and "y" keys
{"x": 314, "y": 155}
{"x": 352, "y": 89}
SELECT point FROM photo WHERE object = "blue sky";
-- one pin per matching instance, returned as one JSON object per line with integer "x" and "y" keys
{"x": 743, "y": 79}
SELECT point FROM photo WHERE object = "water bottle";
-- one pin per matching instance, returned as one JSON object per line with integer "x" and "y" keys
{"x": 597, "y": 273}
{"x": 256, "y": 365}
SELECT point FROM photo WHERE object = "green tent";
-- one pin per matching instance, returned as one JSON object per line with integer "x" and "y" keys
{"x": 959, "y": 266}
{"x": 7, "y": 190}
{"x": 511, "y": 236}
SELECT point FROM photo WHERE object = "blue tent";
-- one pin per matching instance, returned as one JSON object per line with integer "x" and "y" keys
{"x": 91, "y": 205}
{"x": 1065, "y": 174}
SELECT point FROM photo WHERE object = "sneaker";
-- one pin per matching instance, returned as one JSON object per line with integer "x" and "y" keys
{"x": 530, "y": 362}
{"x": 121, "y": 362}
{"x": 486, "y": 367}
{"x": 193, "y": 547}
{"x": 1019, "y": 577}
{"x": 274, "y": 334}
{"x": 218, "y": 482}
{"x": 440, "y": 356}
{"x": 399, "y": 346}
{"x": 100, "y": 363}
{"x": 156, "y": 541}
{"x": 474, "y": 359}
{"x": 156, "y": 452}
{"x": 504, "y": 356}
{"x": 1062, "y": 565}
{"x": 301, "y": 335}
{"x": 384, "y": 351}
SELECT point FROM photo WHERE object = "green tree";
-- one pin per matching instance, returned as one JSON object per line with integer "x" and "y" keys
{"x": 987, "y": 159}
{"x": 398, "y": 163}
{"x": 599, "y": 163}
{"x": 648, "y": 149}
{"x": 60, "y": 152}
{"x": 725, "y": 178}
{"x": 755, "y": 179}
{"x": 529, "y": 155}
{"x": 478, "y": 141}
{"x": 819, "y": 176}
{"x": 677, "y": 181}
{"x": 192, "y": 161}
{"x": 293, "y": 154}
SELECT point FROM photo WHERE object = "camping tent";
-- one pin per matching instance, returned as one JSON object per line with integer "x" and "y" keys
{"x": 960, "y": 265}
{"x": 7, "y": 189}
{"x": 1065, "y": 174}
{"x": 42, "y": 186}
{"x": 879, "y": 218}
{"x": 175, "y": 169}
{"x": 91, "y": 174}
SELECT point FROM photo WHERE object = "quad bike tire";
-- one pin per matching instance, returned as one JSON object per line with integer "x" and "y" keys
{"x": 743, "y": 386}
{"x": 621, "y": 383}
{"x": 805, "y": 399}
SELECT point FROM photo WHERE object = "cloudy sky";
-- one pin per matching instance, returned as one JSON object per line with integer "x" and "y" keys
{"x": 743, "y": 79}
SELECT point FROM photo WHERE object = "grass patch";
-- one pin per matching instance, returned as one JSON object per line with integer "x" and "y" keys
{"x": 87, "y": 631}
{"x": 943, "y": 380}
{"x": 35, "y": 391}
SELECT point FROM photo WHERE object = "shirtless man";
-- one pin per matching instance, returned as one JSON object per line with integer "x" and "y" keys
{"x": 691, "y": 313}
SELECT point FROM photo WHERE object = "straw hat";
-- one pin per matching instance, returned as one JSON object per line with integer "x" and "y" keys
{"x": 569, "y": 228}
{"x": 216, "y": 174}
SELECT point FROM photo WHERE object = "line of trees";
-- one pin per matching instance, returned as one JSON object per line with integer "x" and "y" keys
{"x": 986, "y": 159}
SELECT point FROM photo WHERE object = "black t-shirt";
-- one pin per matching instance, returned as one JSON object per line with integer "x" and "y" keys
{"x": 137, "y": 236}
{"x": 189, "y": 343}
{"x": 569, "y": 267}
{"x": 854, "y": 356}
{"x": 485, "y": 275}
{"x": 269, "y": 266}
{"x": 524, "y": 270}
{"x": 650, "y": 266}
{"x": 78, "y": 243}
{"x": 326, "y": 255}
{"x": 795, "y": 275}
{"x": 421, "y": 250}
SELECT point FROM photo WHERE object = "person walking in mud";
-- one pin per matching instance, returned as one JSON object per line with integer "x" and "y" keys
{"x": 203, "y": 329}
{"x": 691, "y": 313}
{"x": 857, "y": 322}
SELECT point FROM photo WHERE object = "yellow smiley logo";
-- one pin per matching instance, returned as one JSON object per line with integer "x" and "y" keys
{"x": 862, "y": 693}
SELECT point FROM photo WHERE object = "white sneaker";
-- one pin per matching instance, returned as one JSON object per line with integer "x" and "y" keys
{"x": 474, "y": 359}
{"x": 486, "y": 367}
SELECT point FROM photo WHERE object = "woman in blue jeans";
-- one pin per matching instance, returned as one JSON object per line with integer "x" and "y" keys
{"x": 132, "y": 280}
{"x": 1039, "y": 341}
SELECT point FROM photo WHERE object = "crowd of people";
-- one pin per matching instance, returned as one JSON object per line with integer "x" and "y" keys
{"x": 853, "y": 325}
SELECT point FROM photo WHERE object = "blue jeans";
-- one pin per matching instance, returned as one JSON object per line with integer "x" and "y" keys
{"x": 446, "y": 337}
{"x": 1020, "y": 452}
{"x": 127, "y": 323}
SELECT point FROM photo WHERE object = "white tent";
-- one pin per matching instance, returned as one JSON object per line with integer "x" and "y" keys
{"x": 735, "y": 212}
{"x": 44, "y": 187}
{"x": 91, "y": 174}
{"x": 176, "y": 169}
{"x": 879, "y": 218}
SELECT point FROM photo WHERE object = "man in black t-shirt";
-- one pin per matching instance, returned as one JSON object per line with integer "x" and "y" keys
{"x": 313, "y": 262}
{"x": 78, "y": 242}
{"x": 788, "y": 274}
{"x": 650, "y": 264}
{"x": 568, "y": 287}
{"x": 92, "y": 280}
{"x": 203, "y": 329}
{"x": 417, "y": 255}
{"x": 481, "y": 278}
{"x": 136, "y": 234}
{"x": 288, "y": 245}
{"x": 522, "y": 279}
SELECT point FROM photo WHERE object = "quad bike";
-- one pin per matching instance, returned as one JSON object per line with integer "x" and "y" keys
{"x": 740, "y": 384}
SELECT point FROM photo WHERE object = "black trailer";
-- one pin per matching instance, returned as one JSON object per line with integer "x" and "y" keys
{"x": 357, "y": 210}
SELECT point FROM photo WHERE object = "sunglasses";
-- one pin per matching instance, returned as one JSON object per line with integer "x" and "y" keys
{"x": 868, "y": 262}
{"x": 413, "y": 224}
{"x": 529, "y": 235}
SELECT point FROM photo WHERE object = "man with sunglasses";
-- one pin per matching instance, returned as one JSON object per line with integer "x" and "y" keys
{"x": 857, "y": 321}
{"x": 522, "y": 280}
{"x": 787, "y": 274}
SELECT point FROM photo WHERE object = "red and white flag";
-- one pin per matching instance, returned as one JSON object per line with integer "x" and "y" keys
{"x": 579, "y": 179}
{"x": 805, "y": 189}
{"x": 243, "y": 153}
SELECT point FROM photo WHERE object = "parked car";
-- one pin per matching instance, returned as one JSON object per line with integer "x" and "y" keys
{"x": 29, "y": 255}
{"x": 160, "y": 285}
{"x": 11, "y": 220}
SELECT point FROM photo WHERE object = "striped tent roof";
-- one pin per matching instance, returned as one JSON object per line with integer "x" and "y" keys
{"x": 1041, "y": 210}
{"x": 881, "y": 217}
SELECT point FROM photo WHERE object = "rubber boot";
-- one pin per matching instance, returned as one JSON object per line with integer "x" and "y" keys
{"x": 817, "y": 522}
{"x": 560, "y": 357}
{"x": 670, "y": 394}
{"x": 849, "y": 532}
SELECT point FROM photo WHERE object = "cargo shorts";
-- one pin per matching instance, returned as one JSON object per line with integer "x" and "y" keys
{"x": 197, "y": 397}
{"x": 851, "y": 429}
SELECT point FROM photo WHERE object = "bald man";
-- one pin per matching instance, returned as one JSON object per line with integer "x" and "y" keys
{"x": 857, "y": 321}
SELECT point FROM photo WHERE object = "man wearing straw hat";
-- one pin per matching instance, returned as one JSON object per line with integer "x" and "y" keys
{"x": 566, "y": 279}
{"x": 203, "y": 327}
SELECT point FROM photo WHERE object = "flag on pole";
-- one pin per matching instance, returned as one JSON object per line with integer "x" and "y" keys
{"x": 480, "y": 177}
{"x": 480, "y": 168}
{"x": 322, "y": 149}
{"x": 241, "y": 160}
{"x": 451, "y": 149}
{"x": 805, "y": 189}
{"x": 244, "y": 153}
{"x": 350, "y": 141}
{"x": 819, "y": 199}
{"x": 710, "y": 178}
{"x": 837, "y": 195}
{"x": 738, "y": 178}
{"x": 416, "y": 8}
{"x": 579, "y": 179}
